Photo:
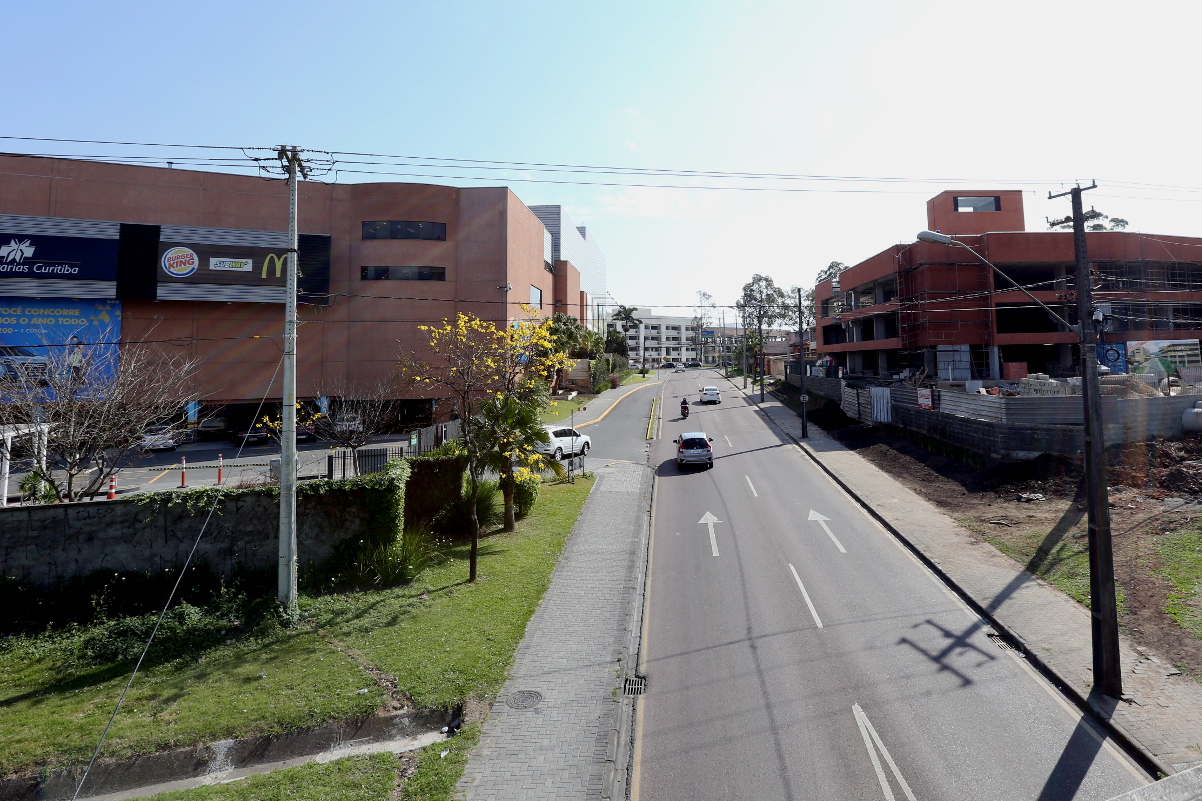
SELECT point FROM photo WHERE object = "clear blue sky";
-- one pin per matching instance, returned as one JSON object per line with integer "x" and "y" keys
{"x": 1017, "y": 91}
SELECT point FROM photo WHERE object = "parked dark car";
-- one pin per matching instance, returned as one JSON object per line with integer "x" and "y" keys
{"x": 306, "y": 433}
{"x": 255, "y": 434}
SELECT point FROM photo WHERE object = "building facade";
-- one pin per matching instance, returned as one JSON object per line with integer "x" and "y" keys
{"x": 196, "y": 258}
{"x": 937, "y": 309}
{"x": 571, "y": 243}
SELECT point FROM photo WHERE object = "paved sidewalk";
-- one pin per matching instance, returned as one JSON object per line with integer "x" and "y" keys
{"x": 1164, "y": 713}
{"x": 572, "y": 744}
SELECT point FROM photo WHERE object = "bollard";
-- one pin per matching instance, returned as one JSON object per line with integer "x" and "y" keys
{"x": 183, "y": 472}
{"x": 220, "y": 462}
{"x": 112, "y": 496}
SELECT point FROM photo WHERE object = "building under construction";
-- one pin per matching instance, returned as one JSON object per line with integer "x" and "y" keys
{"x": 937, "y": 310}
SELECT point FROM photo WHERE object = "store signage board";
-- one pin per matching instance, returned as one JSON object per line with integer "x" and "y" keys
{"x": 59, "y": 257}
{"x": 33, "y": 329}
{"x": 183, "y": 262}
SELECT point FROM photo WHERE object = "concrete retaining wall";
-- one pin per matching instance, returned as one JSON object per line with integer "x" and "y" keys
{"x": 40, "y": 545}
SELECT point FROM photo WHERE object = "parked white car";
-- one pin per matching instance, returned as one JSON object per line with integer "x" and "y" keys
{"x": 564, "y": 441}
{"x": 710, "y": 395}
{"x": 158, "y": 438}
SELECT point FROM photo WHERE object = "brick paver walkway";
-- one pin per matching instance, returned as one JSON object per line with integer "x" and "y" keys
{"x": 573, "y": 653}
{"x": 1164, "y": 714}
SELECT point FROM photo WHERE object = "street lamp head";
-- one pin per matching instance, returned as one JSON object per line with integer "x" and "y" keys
{"x": 935, "y": 237}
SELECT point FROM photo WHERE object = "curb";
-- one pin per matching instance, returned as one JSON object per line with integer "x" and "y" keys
{"x": 618, "y": 749}
{"x": 1146, "y": 759}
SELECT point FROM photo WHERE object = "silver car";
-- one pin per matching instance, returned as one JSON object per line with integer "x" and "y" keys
{"x": 564, "y": 441}
{"x": 694, "y": 448}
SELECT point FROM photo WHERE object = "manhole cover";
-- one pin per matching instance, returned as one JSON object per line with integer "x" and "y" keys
{"x": 524, "y": 699}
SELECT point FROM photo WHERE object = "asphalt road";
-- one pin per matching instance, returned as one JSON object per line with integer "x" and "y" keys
{"x": 786, "y": 662}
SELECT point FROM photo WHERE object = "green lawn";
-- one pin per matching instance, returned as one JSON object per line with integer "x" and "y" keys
{"x": 444, "y": 639}
{"x": 635, "y": 378}
{"x": 1181, "y": 563}
{"x": 561, "y": 410}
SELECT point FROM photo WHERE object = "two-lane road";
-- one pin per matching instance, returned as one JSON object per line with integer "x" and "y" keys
{"x": 802, "y": 653}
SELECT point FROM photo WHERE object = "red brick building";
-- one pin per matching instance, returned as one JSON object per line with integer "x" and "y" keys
{"x": 196, "y": 257}
{"x": 936, "y": 307}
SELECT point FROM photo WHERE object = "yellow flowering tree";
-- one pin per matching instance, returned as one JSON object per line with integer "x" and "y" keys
{"x": 474, "y": 361}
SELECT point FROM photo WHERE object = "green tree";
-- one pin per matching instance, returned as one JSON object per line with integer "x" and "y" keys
{"x": 476, "y": 361}
{"x": 1094, "y": 221}
{"x": 625, "y": 318}
{"x": 832, "y": 270}
{"x": 566, "y": 332}
{"x": 590, "y": 346}
{"x": 762, "y": 305}
{"x": 508, "y": 430}
{"x": 615, "y": 342}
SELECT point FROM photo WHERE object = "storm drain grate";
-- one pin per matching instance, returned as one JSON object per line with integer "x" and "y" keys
{"x": 524, "y": 699}
{"x": 1001, "y": 642}
{"x": 635, "y": 685}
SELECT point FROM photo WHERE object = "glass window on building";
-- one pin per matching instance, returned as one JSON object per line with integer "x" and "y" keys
{"x": 536, "y": 297}
{"x": 993, "y": 203}
{"x": 404, "y": 229}
{"x": 402, "y": 273}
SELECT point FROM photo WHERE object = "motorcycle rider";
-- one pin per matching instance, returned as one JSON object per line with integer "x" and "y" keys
{"x": 684, "y": 407}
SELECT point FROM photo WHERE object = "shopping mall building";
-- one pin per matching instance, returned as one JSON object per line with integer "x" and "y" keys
{"x": 100, "y": 250}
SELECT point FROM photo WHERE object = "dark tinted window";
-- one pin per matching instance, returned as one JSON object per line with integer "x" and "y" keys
{"x": 979, "y": 204}
{"x": 404, "y": 229}
{"x": 403, "y": 273}
{"x": 693, "y": 443}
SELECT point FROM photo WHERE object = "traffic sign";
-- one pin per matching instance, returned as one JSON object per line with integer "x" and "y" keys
{"x": 805, "y": 398}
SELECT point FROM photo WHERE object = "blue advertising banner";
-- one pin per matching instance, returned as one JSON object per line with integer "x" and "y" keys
{"x": 1113, "y": 355}
{"x": 30, "y": 329}
{"x": 70, "y": 257}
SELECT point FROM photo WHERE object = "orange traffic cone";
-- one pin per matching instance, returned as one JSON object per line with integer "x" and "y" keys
{"x": 112, "y": 496}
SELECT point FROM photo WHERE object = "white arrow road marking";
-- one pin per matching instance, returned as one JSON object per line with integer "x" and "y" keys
{"x": 822, "y": 522}
{"x": 709, "y": 520}
{"x": 866, "y": 730}
{"x": 806, "y": 595}
{"x": 753, "y": 492}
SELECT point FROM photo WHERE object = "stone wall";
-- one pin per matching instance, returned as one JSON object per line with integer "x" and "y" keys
{"x": 40, "y": 545}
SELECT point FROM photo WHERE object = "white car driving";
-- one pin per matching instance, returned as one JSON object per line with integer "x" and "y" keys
{"x": 710, "y": 395}
{"x": 564, "y": 441}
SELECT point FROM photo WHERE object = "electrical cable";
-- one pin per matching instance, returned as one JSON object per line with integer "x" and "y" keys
{"x": 170, "y": 597}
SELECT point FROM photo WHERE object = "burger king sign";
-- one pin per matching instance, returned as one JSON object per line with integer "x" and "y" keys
{"x": 180, "y": 262}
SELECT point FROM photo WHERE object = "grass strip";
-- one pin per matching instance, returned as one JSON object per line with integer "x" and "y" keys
{"x": 370, "y": 777}
{"x": 1181, "y": 563}
{"x": 561, "y": 410}
{"x": 446, "y": 641}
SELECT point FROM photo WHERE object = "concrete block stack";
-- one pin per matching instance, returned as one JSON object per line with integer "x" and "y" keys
{"x": 1041, "y": 384}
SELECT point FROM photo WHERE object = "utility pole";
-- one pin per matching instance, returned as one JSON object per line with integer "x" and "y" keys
{"x": 290, "y": 157}
{"x": 801, "y": 364}
{"x": 1103, "y": 610}
{"x": 761, "y": 353}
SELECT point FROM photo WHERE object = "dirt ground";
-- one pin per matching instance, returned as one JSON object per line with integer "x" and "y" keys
{"x": 1035, "y": 513}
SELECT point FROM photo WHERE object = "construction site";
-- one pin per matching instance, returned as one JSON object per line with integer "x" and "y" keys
{"x": 973, "y": 345}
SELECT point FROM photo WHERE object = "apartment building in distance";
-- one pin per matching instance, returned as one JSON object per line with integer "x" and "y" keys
{"x": 936, "y": 308}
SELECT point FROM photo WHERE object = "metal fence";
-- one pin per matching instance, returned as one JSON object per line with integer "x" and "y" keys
{"x": 342, "y": 463}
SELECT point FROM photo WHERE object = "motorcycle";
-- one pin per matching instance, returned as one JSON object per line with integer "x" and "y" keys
{"x": 684, "y": 409}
